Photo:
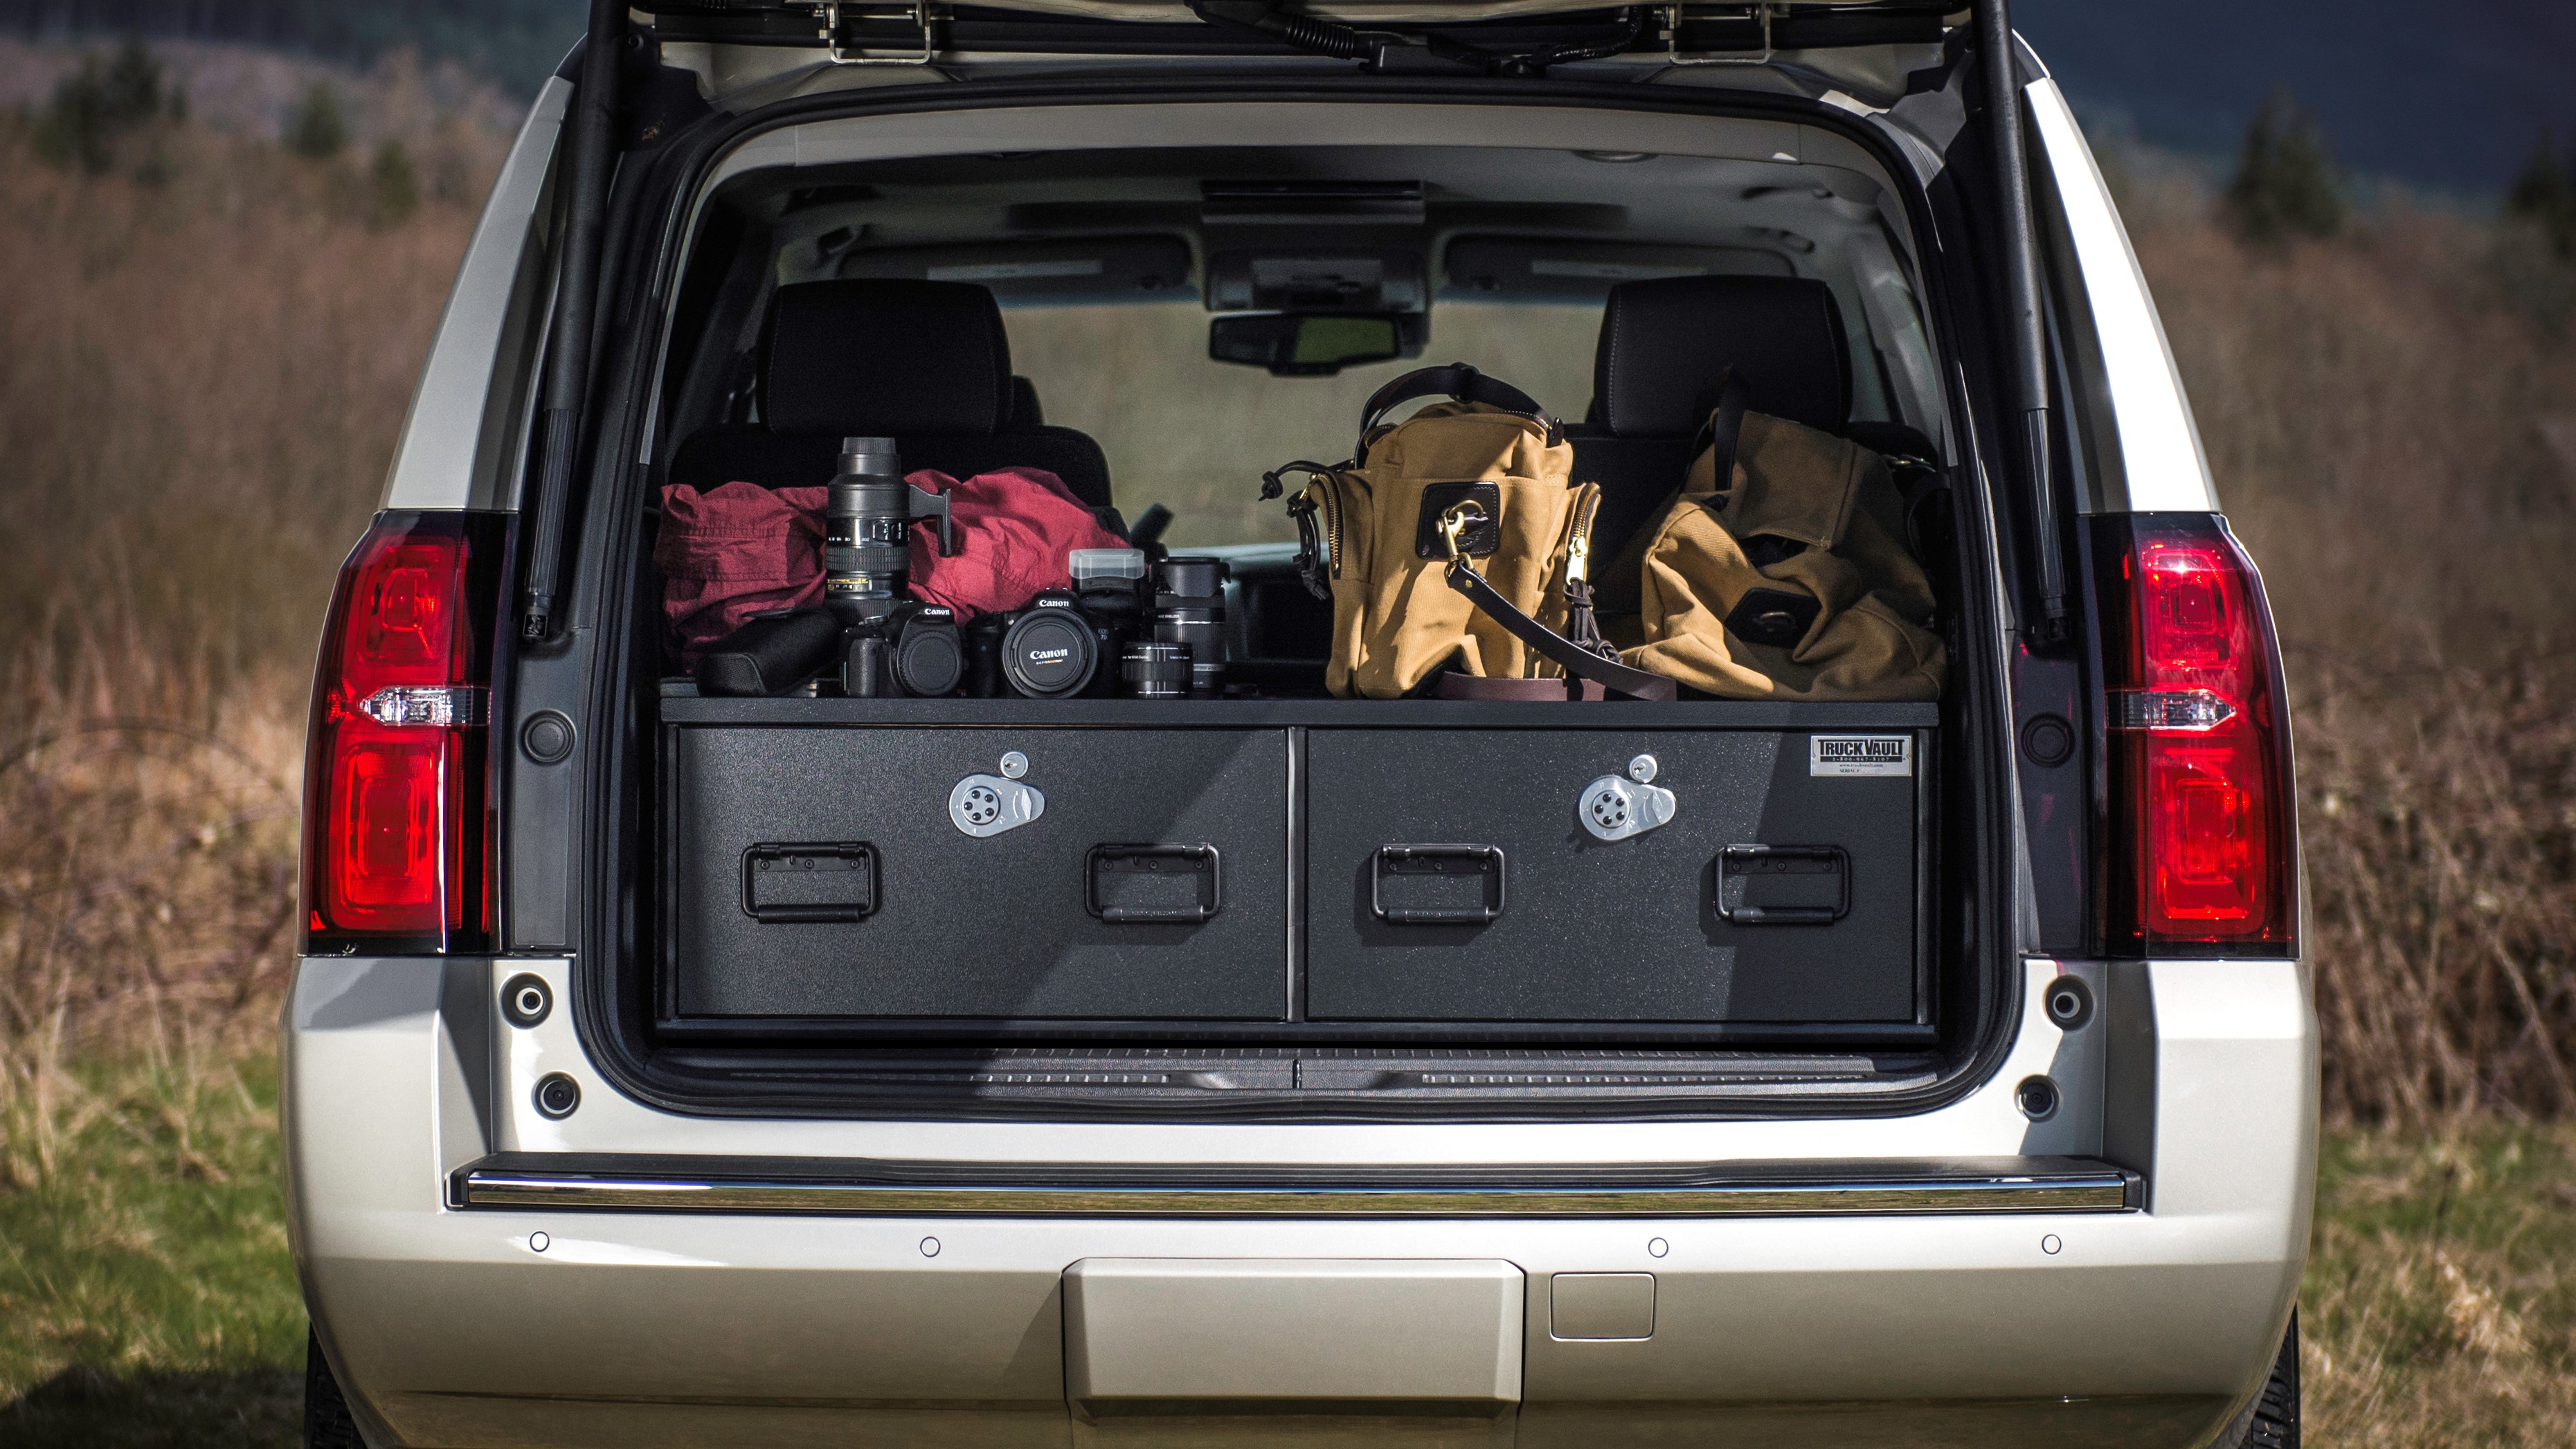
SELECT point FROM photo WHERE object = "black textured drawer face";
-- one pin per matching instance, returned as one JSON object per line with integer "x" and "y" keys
{"x": 889, "y": 872}
{"x": 1783, "y": 887}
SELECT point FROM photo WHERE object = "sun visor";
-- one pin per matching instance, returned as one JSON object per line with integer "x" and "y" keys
{"x": 1572, "y": 269}
{"x": 1316, "y": 279}
{"x": 1089, "y": 269}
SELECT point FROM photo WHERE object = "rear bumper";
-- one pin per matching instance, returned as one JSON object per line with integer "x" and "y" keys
{"x": 945, "y": 1319}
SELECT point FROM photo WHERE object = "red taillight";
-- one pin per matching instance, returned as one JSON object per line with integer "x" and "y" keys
{"x": 2204, "y": 851}
{"x": 395, "y": 831}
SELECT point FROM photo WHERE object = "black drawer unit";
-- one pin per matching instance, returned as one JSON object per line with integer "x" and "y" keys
{"x": 881, "y": 872}
{"x": 1451, "y": 876}
{"x": 1355, "y": 871}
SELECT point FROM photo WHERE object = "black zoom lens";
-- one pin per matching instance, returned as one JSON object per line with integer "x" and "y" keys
{"x": 1050, "y": 651}
{"x": 1156, "y": 671}
{"x": 1189, "y": 610}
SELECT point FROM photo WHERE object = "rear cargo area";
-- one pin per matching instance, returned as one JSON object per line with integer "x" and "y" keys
{"x": 989, "y": 899}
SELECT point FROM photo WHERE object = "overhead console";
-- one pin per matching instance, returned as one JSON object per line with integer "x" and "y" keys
{"x": 1309, "y": 277}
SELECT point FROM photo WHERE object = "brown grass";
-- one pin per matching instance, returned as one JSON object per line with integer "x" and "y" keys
{"x": 203, "y": 360}
{"x": 2388, "y": 416}
{"x": 199, "y": 386}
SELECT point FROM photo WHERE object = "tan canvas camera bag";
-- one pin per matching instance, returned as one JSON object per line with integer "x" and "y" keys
{"x": 1446, "y": 540}
{"x": 1777, "y": 571}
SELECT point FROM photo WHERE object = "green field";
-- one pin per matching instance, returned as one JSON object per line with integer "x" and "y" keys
{"x": 146, "y": 1296}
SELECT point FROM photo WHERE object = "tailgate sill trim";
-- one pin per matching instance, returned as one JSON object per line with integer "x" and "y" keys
{"x": 892, "y": 1189}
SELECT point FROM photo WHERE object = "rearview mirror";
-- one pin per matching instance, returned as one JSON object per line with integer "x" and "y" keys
{"x": 1308, "y": 344}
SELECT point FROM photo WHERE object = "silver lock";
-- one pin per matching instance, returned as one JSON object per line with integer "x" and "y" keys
{"x": 1615, "y": 807}
{"x": 984, "y": 806}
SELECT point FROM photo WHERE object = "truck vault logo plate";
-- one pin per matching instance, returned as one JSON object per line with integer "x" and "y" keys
{"x": 1850, "y": 755}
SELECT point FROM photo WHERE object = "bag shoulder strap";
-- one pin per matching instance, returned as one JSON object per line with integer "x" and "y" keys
{"x": 1459, "y": 381}
{"x": 1576, "y": 660}
{"x": 1724, "y": 430}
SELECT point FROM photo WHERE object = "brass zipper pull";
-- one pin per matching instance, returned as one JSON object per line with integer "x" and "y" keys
{"x": 1578, "y": 549}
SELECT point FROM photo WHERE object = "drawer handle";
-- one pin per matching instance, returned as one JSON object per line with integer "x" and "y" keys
{"x": 1747, "y": 863}
{"x": 1454, "y": 862}
{"x": 810, "y": 884}
{"x": 1139, "y": 884}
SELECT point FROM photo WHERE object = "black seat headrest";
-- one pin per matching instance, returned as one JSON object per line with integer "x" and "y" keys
{"x": 1664, "y": 341}
{"x": 886, "y": 356}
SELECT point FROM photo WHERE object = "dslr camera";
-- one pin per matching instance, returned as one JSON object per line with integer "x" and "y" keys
{"x": 912, "y": 649}
{"x": 1152, "y": 633}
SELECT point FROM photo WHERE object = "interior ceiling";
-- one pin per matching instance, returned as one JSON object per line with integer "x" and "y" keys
{"x": 1805, "y": 212}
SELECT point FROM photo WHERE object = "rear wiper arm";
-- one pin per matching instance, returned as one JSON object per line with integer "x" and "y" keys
{"x": 1272, "y": 18}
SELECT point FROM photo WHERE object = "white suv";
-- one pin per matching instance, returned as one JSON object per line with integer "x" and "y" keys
{"x": 971, "y": 1065}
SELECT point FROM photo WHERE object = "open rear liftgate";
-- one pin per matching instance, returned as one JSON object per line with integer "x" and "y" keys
{"x": 1357, "y": 870}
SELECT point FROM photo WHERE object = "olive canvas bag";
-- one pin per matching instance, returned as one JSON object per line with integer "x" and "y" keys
{"x": 1778, "y": 571}
{"x": 1444, "y": 543}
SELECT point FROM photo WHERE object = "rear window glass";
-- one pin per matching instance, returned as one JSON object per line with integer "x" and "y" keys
{"x": 1195, "y": 435}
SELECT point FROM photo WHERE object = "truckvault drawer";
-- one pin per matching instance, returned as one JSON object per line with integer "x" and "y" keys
{"x": 993, "y": 874}
{"x": 1452, "y": 877}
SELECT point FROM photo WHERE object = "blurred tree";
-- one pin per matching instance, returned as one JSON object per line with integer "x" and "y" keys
{"x": 317, "y": 131}
{"x": 396, "y": 186}
{"x": 515, "y": 42}
{"x": 94, "y": 105}
{"x": 131, "y": 84}
{"x": 2545, "y": 193}
{"x": 2286, "y": 184}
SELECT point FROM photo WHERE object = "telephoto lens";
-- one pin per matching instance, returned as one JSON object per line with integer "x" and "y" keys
{"x": 1156, "y": 671}
{"x": 1189, "y": 610}
{"x": 867, "y": 531}
{"x": 1049, "y": 651}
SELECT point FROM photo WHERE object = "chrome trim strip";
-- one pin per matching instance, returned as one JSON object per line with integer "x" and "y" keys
{"x": 2106, "y": 1190}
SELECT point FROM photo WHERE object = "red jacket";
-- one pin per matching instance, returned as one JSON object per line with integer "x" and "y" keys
{"x": 741, "y": 549}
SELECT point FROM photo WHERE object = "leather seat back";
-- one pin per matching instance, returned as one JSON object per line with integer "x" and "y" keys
{"x": 1664, "y": 343}
{"x": 925, "y": 363}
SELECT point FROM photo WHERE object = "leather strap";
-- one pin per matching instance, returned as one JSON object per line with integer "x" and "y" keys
{"x": 1457, "y": 381}
{"x": 1520, "y": 691}
{"x": 1722, "y": 431}
{"x": 1576, "y": 660}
